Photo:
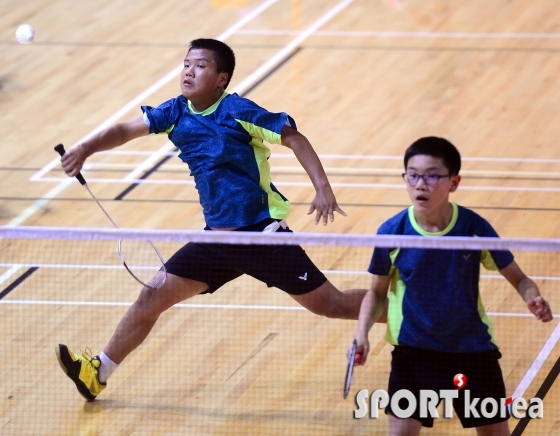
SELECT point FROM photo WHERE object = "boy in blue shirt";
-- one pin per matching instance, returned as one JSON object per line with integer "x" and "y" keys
{"x": 220, "y": 136}
{"x": 436, "y": 319}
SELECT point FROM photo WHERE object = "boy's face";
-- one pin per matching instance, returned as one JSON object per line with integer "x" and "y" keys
{"x": 200, "y": 78}
{"x": 429, "y": 197}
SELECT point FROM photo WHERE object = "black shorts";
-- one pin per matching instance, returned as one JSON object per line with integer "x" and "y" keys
{"x": 415, "y": 369}
{"x": 286, "y": 267}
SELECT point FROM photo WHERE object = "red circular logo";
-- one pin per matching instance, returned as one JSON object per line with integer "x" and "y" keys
{"x": 460, "y": 381}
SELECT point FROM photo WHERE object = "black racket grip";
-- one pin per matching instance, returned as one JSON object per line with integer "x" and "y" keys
{"x": 60, "y": 150}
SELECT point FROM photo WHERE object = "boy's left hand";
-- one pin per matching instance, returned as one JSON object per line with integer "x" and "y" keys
{"x": 540, "y": 308}
{"x": 325, "y": 204}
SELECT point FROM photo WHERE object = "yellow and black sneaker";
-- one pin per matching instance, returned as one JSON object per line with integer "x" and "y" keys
{"x": 82, "y": 370}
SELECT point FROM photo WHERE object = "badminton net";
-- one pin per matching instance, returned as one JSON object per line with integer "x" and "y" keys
{"x": 67, "y": 285}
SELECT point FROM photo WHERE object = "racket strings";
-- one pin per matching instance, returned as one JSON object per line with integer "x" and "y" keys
{"x": 143, "y": 261}
{"x": 158, "y": 280}
{"x": 138, "y": 259}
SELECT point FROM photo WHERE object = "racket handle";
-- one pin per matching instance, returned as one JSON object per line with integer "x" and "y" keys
{"x": 358, "y": 358}
{"x": 61, "y": 151}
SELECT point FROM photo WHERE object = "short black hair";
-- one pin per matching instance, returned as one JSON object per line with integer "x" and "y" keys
{"x": 436, "y": 147}
{"x": 223, "y": 54}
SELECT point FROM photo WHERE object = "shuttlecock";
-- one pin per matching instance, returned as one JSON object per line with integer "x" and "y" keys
{"x": 25, "y": 34}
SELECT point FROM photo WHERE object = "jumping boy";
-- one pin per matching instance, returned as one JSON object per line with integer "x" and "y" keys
{"x": 220, "y": 136}
{"x": 435, "y": 319}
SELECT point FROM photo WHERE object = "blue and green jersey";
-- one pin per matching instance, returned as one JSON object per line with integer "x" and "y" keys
{"x": 434, "y": 298}
{"x": 224, "y": 149}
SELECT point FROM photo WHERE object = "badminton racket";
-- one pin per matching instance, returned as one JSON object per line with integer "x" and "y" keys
{"x": 141, "y": 258}
{"x": 353, "y": 358}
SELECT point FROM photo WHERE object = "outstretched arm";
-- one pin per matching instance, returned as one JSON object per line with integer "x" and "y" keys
{"x": 373, "y": 305}
{"x": 111, "y": 137}
{"x": 528, "y": 290}
{"x": 324, "y": 202}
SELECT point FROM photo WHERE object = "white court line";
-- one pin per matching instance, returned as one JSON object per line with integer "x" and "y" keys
{"x": 127, "y": 108}
{"x": 400, "y": 158}
{"x": 324, "y": 271}
{"x": 186, "y": 305}
{"x": 537, "y": 363}
{"x": 111, "y": 303}
{"x": 394, "y": 34}
{"x": 64, "y": 266}
{"x": 363, "y": 157}
{"x": 309, "y": 184}
{"x": 498, "y": 276}
{"x": 40, "y": 203}
{"x": 150, "y": 162}
{"x": 96, "y": 266}
{"x": 299, "y": 170}
{"x": 13, "y": 269}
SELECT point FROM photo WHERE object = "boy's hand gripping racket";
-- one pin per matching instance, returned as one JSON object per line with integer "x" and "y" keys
{"x": 142, "y": 257}
{"x": 353, "y": 357}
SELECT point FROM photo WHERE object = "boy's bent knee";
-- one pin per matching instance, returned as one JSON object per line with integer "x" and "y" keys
{"x": 175, "y": 289}
{"x": 331, "y": 311}
{"x": 328, "y": 301}
{"x": 150, "y": 302}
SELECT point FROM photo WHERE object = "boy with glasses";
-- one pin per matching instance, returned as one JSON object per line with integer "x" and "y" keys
{"x": 436, "y": 320}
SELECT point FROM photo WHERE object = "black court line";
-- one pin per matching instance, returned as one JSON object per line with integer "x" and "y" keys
{"x": 18, "y": 281}
{"x": 541, "y": 393}
{"x": 271, "y": 72}
{"x": 144, "y": 176}
{"x": 166, "y": 158}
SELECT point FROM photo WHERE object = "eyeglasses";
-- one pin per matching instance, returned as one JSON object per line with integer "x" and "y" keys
{"x": 429, "y": 179}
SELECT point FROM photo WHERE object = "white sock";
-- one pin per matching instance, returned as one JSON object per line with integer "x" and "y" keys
{"x": 107, "y": 368}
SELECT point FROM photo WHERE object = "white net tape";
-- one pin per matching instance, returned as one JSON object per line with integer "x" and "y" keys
{"x": 336, "y": 239}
